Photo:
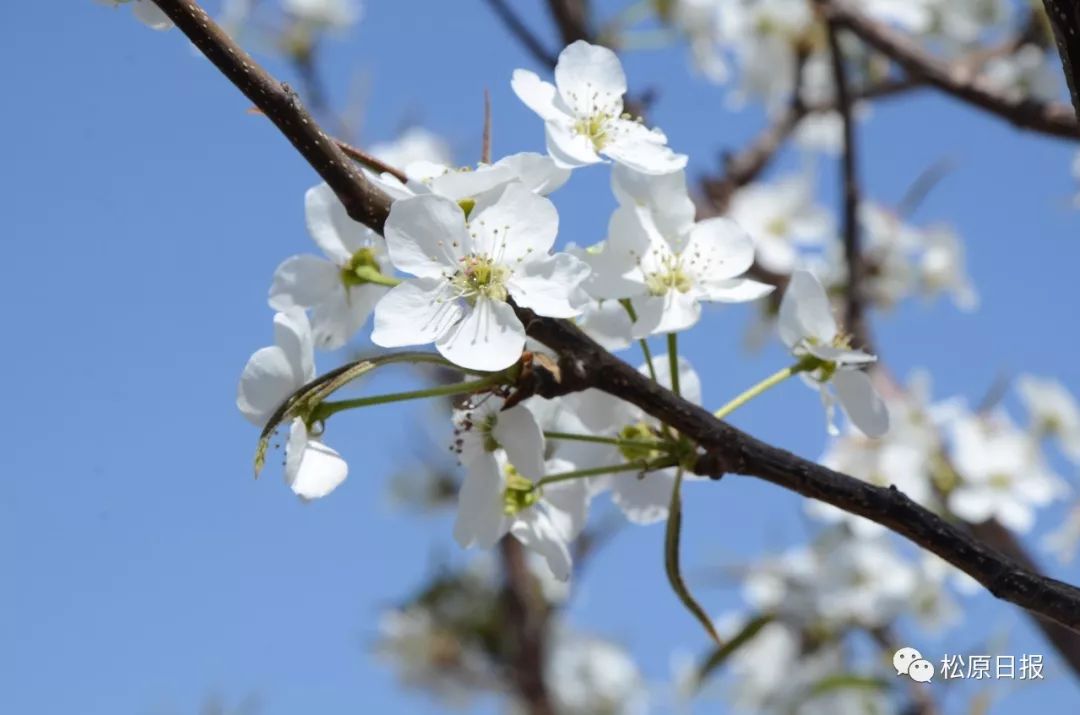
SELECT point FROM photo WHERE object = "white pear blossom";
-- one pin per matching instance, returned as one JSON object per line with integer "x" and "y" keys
{"x": 312, "y": 469}
{"x": 1002, "y": 473}
{"x": 336, "y": 14}
{"x": 146, "y": 11}
{"x": 1026, "y": 74}
{"x": 666, "y": 264}
{"x": 1064, "y": 540}
{"x": 503, "y": 455}
{"x": 591, "y": 676}
{"x": 807, "y": 327}
{"x": 337, "y": 289}
{"x": 413, "y": 144}
{"x": 643, "y": 498}
{"x": 837, "y": 581}
{"x": 702, "y": 23}
{"x": 1054, "y": 412}
{"x": 468, "y": 262}
{"x": 537, "y": 172}
{"x": 583, "y": 113}
{"x": 781, "y": 217}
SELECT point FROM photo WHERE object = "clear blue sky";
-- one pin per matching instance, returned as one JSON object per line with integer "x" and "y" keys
{"x": 143, "y": 214}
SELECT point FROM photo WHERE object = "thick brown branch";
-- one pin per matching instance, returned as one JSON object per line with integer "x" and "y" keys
{"x": 364, "y": 202}
{"x": 1048, "y": 118}
{"x": 585, "y": 364}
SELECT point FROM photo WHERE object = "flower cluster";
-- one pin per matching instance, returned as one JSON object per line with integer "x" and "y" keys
{"x": 468, "y": 257}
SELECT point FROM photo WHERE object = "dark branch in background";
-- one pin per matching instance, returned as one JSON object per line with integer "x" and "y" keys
{"x": 572, "y": 19}
{"x": 521, "y": 31}
{"x": 528, "y": 615}
{"x": 1065, "y": 20}
{"x": 1050, "y": 118}
{"x": 1065, "y": 641}
{"x": 855, "y": 305}
{"x": 584, "y": 364}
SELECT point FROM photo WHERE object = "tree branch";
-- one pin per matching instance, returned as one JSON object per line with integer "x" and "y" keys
{"x": 1049, "y": 118}
{"x": 521, "y": 31}
{"x": 584, "y": 364}
{"x": 527, "y": 613}
{"x": 854, "y": 312}
{"x": 1064, "y": 18}
{"x": 572, "y": 19}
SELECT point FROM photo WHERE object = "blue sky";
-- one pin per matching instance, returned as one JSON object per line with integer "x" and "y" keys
{"x": 144, "y": 213}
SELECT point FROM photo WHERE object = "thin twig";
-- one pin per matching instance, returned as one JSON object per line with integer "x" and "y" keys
{"x": 1051, "y": 118}
{"x": 855, "y": 306}
{"x": 521, "y": 31}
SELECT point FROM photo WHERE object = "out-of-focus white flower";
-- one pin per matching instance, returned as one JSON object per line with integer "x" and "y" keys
{"x": 808, "y": 328}
{"x": 583, "y": 113}
{"x": 1025, "y": 74}
{"x": 1054, "y": 412}
{"x": 780, "y": 217}
{"x": 413, "y": 144}
{"x": 336, "y": 14}
{"x": 590, "y": 676}
{"x": 778, "y": 672}
{"x": 942, "y": 267}
{"x": 147, "y": 12}
{"x": 1064, "y": 540}
{"x": 702, "y": 23}
{"x": 1003, "y": 475}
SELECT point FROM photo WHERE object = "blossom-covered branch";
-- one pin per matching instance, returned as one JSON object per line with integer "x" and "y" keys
{"x": 1045, "y": 117}
{"x": 583, "y": 364}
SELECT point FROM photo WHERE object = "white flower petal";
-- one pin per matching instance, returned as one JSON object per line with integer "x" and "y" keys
{"x": 537, "y": 95}
{"x": 426, "y": 236}
{"x": 312, "y": 470}
{"x": 151, "y": 15}
{"x": 517, "y": 432}
{"x": 538, "y": 172}
{"x": 735, "y": 290}
{"x": 718, "y": 249}
{"x": 669, "y": 313}
{"x": 330, "y": 226}
{"x": 292, "y": 333}
{"x": 863, "y": 406}
{"x": 569, "y": 501}
{"x": 514, "y": 225}
{"x": 550, "y": 286}
{"x": 641, "y": 149}
{"x": 336, "y": 320}
{"x": 304, "y": 282}
{"x": 644, "y": 500}
{"x": 536, "y": 532}
{"x": 416, "y": 312}
{"x": 480, "y": 518}
{"x": 266, "y": 381}
{"x": 567, "y": 148}
{"x": 489, "y": 337}
{"x": 805, "y": 311}
{"x": 587, "y": 75}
